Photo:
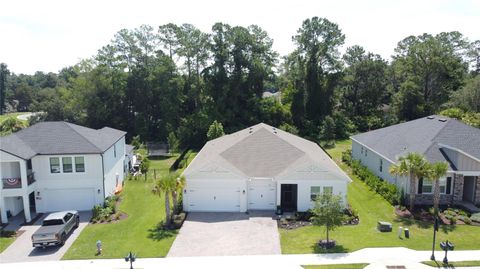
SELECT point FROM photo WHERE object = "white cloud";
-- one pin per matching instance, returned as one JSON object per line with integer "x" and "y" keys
{"x": 49, "y": 35}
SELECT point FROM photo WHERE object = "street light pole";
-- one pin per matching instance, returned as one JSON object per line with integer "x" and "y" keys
{"x": 435, "y": 229}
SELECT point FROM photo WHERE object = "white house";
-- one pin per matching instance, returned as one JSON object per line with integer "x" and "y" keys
{"x": 53, "y": 166}
{"x": 438, "y": 139}
{"x": 260, "y": 168}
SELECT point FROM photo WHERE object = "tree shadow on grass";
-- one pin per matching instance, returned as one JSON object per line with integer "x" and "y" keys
{"x": 337, "y": 249}
{"x": 410, "y": 222}
{"x": 159, "y": 232}
{"x": 439, "y": 264}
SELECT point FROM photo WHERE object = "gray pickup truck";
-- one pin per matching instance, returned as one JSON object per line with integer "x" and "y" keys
{"x": 55, "y": 228}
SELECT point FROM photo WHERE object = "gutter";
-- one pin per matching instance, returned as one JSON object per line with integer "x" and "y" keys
{"x": 103, "y": 178}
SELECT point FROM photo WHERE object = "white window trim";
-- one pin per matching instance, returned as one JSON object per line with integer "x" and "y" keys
{"x": 60, "y": 161}
{"x": 316, "y": 194}
{"x": 59, "y": 165}
{"x": 442, "y": 180}
{"x": 75, "y": 163}
{"x": 71, "y": 163}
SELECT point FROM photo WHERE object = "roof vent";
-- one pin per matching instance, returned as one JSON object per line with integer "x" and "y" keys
{"x": 442, "y": 120}
{"x": 431, "y": 117}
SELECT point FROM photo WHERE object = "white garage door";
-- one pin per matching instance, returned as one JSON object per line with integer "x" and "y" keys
{"x": 261, "y": 194}
{"x": 213, "y": 198}
{"x": 69, "y": 199}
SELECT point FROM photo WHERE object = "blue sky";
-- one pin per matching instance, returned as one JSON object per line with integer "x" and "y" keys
{"x": 48, "y": 35}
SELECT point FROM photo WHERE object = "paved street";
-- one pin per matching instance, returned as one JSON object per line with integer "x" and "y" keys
{"x": 377, "y": 257}
{"x": 21, "y": 250}
{"x": 219, "y": 234}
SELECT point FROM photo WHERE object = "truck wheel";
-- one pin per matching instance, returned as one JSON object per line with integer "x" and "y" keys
{"x": 77, "y": 222}
{"x": 63, "y": 238}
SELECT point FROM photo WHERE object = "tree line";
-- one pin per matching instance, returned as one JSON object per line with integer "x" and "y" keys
{"x": 172, "y": 82}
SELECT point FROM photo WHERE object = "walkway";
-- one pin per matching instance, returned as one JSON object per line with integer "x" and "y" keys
{"x": 377, "y": 257}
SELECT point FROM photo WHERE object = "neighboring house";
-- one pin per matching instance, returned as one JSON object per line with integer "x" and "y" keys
{"x": 437, "y": 138}
{"x": 130, "y": 158}
{"x": 53, "y": 166}
{"x": 275, "y": 95}
{"x": 260, "y": 168}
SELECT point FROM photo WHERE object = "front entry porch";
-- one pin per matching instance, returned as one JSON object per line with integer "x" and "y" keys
{"x": 11, "y": 207}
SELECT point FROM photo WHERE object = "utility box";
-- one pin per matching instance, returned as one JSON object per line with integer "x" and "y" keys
{"x": 384, "y": 226}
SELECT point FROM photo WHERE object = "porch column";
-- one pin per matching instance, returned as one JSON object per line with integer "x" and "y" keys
{"x": 279, "y": 194}
{"x": 3, "y": 210}
{"x": 23, "y": 174}
{"x": 26, "y": 208}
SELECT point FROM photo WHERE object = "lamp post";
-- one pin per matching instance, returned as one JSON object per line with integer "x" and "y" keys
{"x": 446, "y": 246}
{"x": 435, "y": 229}
{"x": 130, "y": 258}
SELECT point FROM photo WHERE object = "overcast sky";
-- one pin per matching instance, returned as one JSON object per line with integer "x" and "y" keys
{"x": 47, "y": 35}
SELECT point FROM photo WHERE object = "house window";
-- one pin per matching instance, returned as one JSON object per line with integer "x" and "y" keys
{"x": 79, "y": 164}
{"x": 362, "y": 151}
{"x": 381, "y": 166}
{"x": 55, "y": 165}
{"x": 366, "y": 151}
{"x": 314, "y": 192}
{"x": 427, "y": 185}
{"x": 67, "y": 164}
{"x": 328, "y": 190}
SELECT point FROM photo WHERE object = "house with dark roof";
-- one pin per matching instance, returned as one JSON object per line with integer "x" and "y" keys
{"x": 55, "y": 166}
{"x": 438, "y": 138}
{"x": 260, "y": 168}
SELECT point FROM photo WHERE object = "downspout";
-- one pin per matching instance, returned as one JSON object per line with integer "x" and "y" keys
{"x": 103, "y": 180}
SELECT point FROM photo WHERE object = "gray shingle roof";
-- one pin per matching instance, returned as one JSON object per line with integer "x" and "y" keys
{"x": 425, "y": 135}
{"x": 263, "y": 151}
{"x": 58, "y": 137}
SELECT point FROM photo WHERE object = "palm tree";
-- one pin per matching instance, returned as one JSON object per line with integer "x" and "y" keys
{"x": 167, "y": 185}
{"x": 179, "y": 185}
{"x": 414, "y": 166}
{"x": 435, "y": 172}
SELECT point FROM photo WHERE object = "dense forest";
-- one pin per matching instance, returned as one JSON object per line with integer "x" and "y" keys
{"x": 175, "y": 80}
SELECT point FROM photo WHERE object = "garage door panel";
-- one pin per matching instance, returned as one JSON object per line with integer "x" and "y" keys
{"x": 214, "y": 199}
{"x": 69, "y": 199}
{"x": 261, "y": 194}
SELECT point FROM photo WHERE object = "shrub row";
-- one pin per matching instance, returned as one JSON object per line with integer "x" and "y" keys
{"x": 386, "y": 190}
{"x": 104, "y": 213}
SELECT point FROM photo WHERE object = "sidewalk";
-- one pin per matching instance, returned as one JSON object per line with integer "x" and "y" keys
{"x": 377, "y": 257}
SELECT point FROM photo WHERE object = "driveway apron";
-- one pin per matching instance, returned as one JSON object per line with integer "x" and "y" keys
{"x": 220, "y": 234}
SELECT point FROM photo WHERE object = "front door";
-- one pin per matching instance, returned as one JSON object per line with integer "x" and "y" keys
{"x": 288, "y": 197}
{"x": 469, "y": 189}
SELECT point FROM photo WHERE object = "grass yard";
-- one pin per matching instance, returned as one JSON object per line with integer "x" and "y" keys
{"x": 439, "y": 264}
{"x": 5, "y": 242}
{"x": 371, "y": 208}
{"x": 337, "y": 266}
{"x": 138, "y": 232}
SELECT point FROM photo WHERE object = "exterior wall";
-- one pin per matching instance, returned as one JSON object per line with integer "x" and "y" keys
{"x": 113, "y": 161}
{"x": 303, "y": 190}
{"x": 14, "y": 205}
{"x": 91, "y": 178}
{"x": 372, "y": 162}
{"x": 10, "y": 170}
{"x": 427, "y": 199}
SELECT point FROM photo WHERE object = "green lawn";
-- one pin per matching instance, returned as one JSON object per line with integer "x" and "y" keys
{"x": 5, "y": 242}
{"x": 371, "y": 208}
{"x": 439, "y": 264}
{"x": 337, "y": 266}
{"x": 138, "y": 232}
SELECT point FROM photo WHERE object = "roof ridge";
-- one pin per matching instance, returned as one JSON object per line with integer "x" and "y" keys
{"x": 84, "y": 138}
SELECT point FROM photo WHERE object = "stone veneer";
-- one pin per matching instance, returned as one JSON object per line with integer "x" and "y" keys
{"x": 477, "y": 192}
{"x": 457, "y": 187}
{"x": 427, "y": 199}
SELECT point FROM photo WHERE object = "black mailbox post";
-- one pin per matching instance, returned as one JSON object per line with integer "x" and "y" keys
{"x": 130, "y": 258}
{"x": 446, "y": 246}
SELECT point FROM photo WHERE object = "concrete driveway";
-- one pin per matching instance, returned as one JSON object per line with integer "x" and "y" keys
{"x": 220, "y": 234}
{"x": 21, "y": 249}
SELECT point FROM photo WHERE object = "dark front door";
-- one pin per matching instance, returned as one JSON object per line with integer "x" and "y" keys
{"x": 31, "y": 199}
{"x": 469, "y": 189}
{"x": 288, "y": 197}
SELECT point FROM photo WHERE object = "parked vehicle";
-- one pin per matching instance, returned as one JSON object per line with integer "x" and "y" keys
{"x": 55, "y": 228}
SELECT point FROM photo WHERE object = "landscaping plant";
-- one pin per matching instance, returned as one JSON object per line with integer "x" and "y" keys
{"x": 328, "y": 212}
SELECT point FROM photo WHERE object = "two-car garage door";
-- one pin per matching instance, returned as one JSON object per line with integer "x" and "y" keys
{"x": 215, "y": 196}
{"x": 68, "y": 199}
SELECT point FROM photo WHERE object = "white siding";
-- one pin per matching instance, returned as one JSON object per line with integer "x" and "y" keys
{"x": 14, "y": 205}
{"x": 113, "y": 166}
{"x": 46, "y": 181}
{"x": 10, "y": 170}
{"x": 198, "y": 195}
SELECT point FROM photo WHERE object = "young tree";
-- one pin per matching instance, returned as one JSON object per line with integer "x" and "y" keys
{"x": 166, "y": 185}
{"x": 173, "y": 142}
{"x": 328, "y": 212}
{"x": 414, "y": 166}
{"x": 215, "y": 130}
{"x": 434, "y": 172}
{"x": 10, "y": 125}
{"x": 179, "y": 185}
{"x": 3, "y": 88}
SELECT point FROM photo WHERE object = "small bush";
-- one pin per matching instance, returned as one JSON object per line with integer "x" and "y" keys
{"x": 347, "y": 156}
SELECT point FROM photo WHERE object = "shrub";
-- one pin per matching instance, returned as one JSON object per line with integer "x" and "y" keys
{"x": 96, "y": 213}
{"x": 347, "y": 156}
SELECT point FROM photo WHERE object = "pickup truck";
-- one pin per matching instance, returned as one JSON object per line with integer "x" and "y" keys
{"x": 55, "y": 228}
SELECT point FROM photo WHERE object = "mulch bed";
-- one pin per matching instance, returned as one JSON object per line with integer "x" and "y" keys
{"x": 292, "y": 224}
{"x": 121, "y": 217}
{"x": 403, "y": 213}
